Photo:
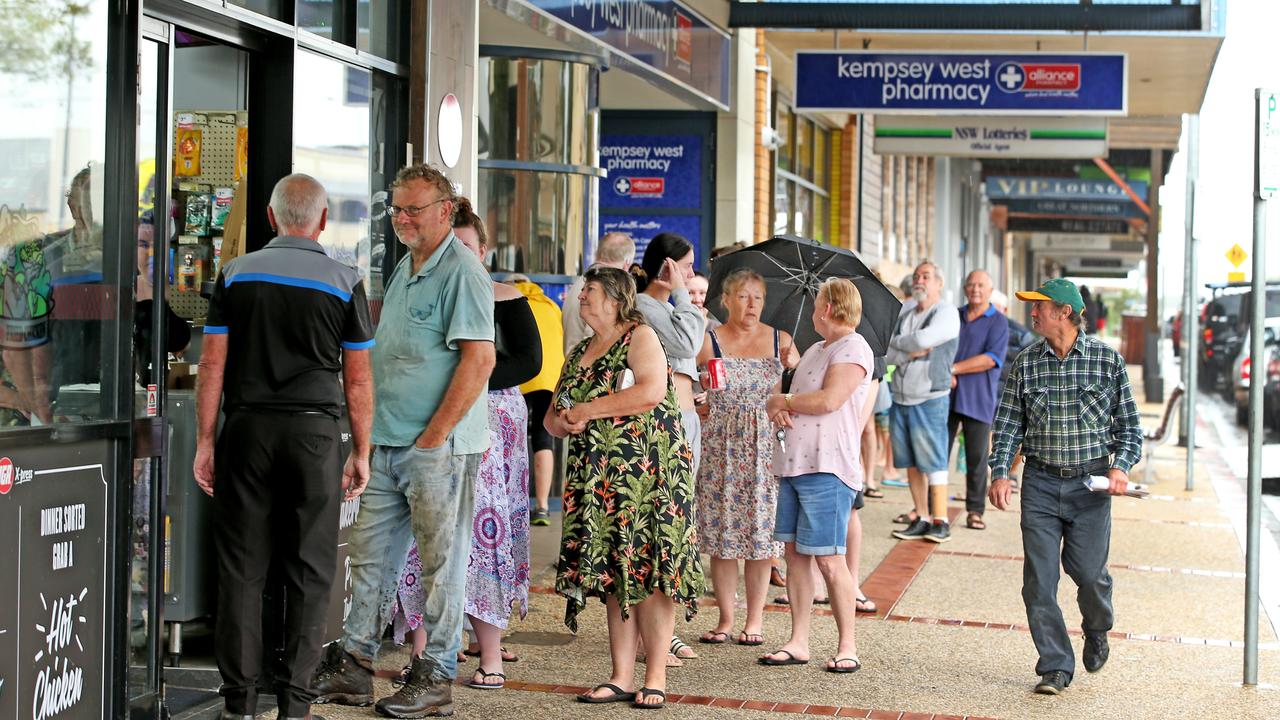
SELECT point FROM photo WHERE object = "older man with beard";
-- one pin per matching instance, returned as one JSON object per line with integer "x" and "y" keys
{"x": 923, "y": 348}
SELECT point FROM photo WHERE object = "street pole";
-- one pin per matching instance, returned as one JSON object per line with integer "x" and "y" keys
{"x": 1190, "y": 334}
{"x": 1266, "y": 137}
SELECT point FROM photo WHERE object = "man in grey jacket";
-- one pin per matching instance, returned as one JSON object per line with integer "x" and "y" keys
{"x": 923, "y": 348}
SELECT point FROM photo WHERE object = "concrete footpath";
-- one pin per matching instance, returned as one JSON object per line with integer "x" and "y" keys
{"x": 950, "y": 639}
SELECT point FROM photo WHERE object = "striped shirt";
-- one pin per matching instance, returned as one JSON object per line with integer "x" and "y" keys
{"x": 1068, "y": 412}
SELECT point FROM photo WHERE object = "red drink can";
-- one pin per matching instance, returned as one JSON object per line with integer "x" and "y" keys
{"x": 716, "y": 377}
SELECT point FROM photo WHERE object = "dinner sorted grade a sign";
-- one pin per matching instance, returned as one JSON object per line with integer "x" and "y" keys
{"x": 53, "y": 581}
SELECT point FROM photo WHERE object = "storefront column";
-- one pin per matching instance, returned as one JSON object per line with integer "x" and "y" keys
{"x": 444, "y": 50}
{"x": 736, "y": 148}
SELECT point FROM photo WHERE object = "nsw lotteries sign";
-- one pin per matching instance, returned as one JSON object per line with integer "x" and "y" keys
{"x": 1023, "y": 137}
{"x": 961, "y": 83}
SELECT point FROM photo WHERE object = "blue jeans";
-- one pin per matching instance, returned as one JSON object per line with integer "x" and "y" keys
{"x": 919, "y": 435}
{"x": 422, "y": 495}
{"x": 1062, "y": 513}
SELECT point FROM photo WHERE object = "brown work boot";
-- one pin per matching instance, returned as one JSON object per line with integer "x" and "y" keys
{"x": 342, "y": 679}
{"x": 422, "y": 694}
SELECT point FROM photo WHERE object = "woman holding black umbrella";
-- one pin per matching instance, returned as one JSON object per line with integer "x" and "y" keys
{"x": 820, "y": 470}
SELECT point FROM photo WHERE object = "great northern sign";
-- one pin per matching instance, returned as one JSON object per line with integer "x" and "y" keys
{"x": 961, "y": 83}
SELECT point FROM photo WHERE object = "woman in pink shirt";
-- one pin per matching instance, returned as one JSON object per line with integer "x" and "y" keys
{"x": 819, "y": 468}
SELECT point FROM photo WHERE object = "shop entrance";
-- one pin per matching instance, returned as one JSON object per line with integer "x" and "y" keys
{"x": 193, "y": 158}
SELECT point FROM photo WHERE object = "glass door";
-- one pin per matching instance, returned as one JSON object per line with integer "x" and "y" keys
{"x": 151, "y": 426}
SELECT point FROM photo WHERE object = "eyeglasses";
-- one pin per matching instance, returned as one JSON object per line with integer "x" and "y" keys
{"x": 411, "y": 210}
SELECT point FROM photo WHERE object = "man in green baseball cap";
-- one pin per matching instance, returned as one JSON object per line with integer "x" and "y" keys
{"x": 1068, "y": 404}
{"x": 1059, "y": 290}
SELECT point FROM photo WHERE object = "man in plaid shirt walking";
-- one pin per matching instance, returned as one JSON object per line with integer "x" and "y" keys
{"x": 1068, "y": 404}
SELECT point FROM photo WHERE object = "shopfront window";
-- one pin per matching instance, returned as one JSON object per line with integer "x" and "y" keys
{"x": 331, "y": 144}
{"x": 270, "y": 8}
{"x": 802, "y": 175}
{"x": 57, "y": 309}
{"x": 539, "y": 126}
{"x": 378, "y": 27}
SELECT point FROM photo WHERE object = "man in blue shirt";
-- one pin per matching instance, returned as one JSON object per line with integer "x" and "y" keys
{"x": 432, "y": 362}
{"x": 984, "y": 339}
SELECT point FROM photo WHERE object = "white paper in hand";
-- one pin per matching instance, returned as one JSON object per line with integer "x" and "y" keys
{"x": 1102, "y": 483}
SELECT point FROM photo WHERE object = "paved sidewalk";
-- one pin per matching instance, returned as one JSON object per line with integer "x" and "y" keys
{"x": 950, "y": 640}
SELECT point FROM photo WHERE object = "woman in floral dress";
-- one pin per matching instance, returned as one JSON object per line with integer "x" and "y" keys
{"x": 630, "y": 532}
{"x": 498, "y": 569}
{"x": 737, "y": 493}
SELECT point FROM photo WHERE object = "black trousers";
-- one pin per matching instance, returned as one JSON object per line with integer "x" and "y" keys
{"x": 977, "y": 450}
{"x": 277, "y": 493}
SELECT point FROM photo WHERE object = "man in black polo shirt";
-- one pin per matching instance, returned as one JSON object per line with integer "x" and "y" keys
{"x": 282, "y": 322}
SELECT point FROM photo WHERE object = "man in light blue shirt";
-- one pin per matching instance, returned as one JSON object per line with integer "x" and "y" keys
{"x": 434, "y": 354}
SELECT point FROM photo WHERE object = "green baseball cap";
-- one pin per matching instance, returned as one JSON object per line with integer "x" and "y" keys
{"x": 1057, "y": 290}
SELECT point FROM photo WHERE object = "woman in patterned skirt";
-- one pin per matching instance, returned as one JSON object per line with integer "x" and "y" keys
{"x": 498, "y": 569}
{"x": 737, "y": 493}
{"x": 630, "y": 532}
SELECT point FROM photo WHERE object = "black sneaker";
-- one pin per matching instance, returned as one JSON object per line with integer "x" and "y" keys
{"x": 1096, "y": 651}
{"x": 1052, "y": 683}
{"x": 342, "y": 680}
{"x": 539, "y": 517}
{"x": 915, "y": 531}
{"x": 939, "y": 532}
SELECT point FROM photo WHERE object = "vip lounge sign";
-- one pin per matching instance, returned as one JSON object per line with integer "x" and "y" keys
{"x": 908, "y": 83}
{"x": 1026, "y": 137}
{"x": 53, "y": 525}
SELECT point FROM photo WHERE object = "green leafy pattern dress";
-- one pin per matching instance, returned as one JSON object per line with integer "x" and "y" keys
{"x": 629, "y": 521}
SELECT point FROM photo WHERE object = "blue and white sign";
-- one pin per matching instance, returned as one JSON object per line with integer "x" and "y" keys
{"x": 908, "y": 83}
{"x": 652, "y": 171}
{"x": 1051, "y": 188}
{"x": 642, "y": 228}
{"x": 663, "y": 35}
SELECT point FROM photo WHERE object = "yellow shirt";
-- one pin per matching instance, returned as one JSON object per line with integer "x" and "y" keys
{"x": 547, "y": 314}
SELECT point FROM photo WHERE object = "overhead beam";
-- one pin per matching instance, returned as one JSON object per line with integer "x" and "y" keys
{"x": 1024, "y": 16}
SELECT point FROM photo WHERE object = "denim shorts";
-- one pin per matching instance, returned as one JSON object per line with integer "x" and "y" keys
{"x": 813, "y": 512}
{"x": 919, "y": 434}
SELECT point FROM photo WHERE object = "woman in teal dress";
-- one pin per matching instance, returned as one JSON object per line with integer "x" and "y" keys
{"x": 630, "y": 531}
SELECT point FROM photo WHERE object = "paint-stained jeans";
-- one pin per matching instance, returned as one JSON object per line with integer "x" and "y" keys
{"x": 413, "y": 494}
{"x": 1062, "y": 513}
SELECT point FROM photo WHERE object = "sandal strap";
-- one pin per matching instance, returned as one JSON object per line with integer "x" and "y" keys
{"x": 677, "y": 645}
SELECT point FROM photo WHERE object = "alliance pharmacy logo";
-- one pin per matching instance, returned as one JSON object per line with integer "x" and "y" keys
{"x": 1016, "y": 77}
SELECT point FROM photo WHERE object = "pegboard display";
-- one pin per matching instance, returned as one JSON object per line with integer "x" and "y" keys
{"x": 218, "y": 145}
{"x": 188, "y": 305}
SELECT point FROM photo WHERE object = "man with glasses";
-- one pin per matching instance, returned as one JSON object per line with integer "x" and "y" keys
{"x": 434, "y": 354}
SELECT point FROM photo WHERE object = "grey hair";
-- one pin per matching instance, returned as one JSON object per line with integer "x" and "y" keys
{"x": 616, "y": 248}
{"x": 297, "y": 202}
{"x": 1076, "y": 317}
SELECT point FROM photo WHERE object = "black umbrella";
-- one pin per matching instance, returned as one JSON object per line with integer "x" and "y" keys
{"x": 793, "y": 268}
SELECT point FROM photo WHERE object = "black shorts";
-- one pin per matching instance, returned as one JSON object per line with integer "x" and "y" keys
{"x": 538, "y": 402}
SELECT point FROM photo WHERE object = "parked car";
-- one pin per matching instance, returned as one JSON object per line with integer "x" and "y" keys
{"x": 1243, "y": 371}
{"x": 1224, "y": 322}
{"x": 1271, "y": 393}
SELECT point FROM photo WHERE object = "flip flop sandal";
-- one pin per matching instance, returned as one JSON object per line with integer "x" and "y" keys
{"x": 645, "y": 693}
{"x": 714, "y": 638}
{"x": 835, "y": 666}
{"x": 782, "y": 600}
{"x": 402, "y": 678}
{"x": 864, "y": 605}
{"x": 482, "y": 685}
{"x": 751, "y": 639}
{"x": 679, "y": 646}
{"x": 617, "y": 694}
{"x": 906, "y": 518}
{"x": 672, "y": 660}
{"x": 822, "y": 601}
{"x": 876, "y": 493}
{"x": 975, "y": 522}
{"x": 775, "y": 662}
{"x": 777, "y": 578}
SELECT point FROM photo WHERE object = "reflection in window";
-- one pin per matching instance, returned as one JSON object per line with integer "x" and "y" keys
{"x": 331, "y": 144}
{"x": 554, "y": 102}
{"x": 54, "y": 305}
{"x": 537, "y": 221}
